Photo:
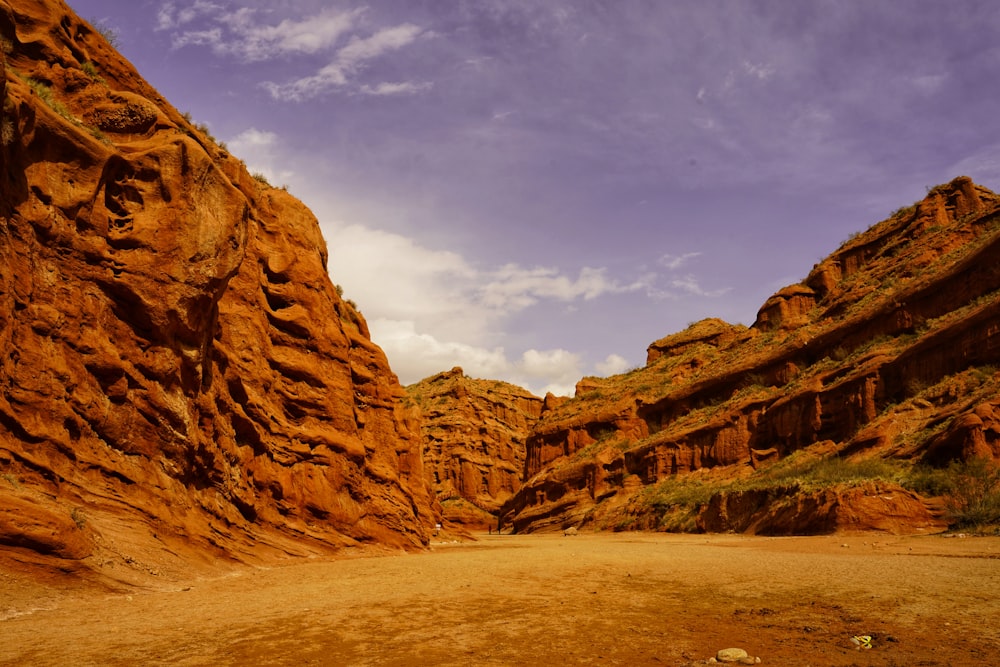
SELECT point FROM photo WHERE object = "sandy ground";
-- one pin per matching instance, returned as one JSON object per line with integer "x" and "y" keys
{"x": 615, "y": 599}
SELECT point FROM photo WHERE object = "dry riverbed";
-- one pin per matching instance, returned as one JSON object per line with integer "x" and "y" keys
{"x": 609, "y": 599}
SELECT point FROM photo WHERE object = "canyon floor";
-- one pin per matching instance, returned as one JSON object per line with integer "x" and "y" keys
{"x": 615, "y": 599}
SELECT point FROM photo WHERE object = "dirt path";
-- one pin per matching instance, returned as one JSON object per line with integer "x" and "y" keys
{"x": 615, "y": 599}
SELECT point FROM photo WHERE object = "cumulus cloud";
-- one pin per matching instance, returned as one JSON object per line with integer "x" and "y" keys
{"x": 415, "y": 355}
{"x": 431, "y": 309}
{"x": 393, "y": 277}
{"x": 613, "y": 365}
{"x": 443, "y": 292}
{"x": 258, "y": 148}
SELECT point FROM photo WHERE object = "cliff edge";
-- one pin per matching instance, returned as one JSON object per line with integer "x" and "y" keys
{"x": 180, "y": 380}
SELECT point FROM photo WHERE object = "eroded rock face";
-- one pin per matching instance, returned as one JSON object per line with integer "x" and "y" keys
{"x": 176, "y": 362}
{"x": 887, "y": 349}
{"x": 474, "y": 433}
{"x": 871, "y": 506}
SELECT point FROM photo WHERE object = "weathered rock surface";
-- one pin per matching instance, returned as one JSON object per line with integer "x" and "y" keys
{"x": 888, "y": 349}
{"x": 178, "y": 373}
{"x": 473, "y": 433}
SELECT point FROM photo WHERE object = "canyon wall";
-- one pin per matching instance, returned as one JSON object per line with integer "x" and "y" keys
{"x": 887, "y": 349}
{"x": 178, "y": 373}
{"x": 474, "y": 433}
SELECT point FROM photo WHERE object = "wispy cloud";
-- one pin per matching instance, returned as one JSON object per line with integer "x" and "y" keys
{"x": 246, "y": 35}
{"x": 348, "y": 61}
{"x": 171, "y": 16}
{"x": 310, "y": 35}
{"x": 513, "y": 288}
{"x": 689, "y": 284}
{"x": 674, "y": 262}
{"x": 396, "y": 88}
{"x": 237, "y": 33}
{"x": 762, "y": 71}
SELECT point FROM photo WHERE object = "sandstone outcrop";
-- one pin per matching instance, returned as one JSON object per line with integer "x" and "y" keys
{"x": 179, "y": 375}
{"x": 473, "y": 433}
{"x": 887, "y": 350}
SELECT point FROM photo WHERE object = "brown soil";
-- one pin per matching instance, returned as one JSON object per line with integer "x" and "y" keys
{"x": 618, "y": 599}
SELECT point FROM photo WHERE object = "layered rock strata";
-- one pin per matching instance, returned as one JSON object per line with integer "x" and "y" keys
{"x": 887, "y": 349}
{"x": 474, "y": 433}
{"x": 178, "y": 374}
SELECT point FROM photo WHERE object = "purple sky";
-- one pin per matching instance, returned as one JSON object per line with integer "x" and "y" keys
{"x": 536, "y": 190}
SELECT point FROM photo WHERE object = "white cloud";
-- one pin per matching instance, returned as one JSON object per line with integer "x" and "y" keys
{"x": 690, "y": 285}
{"x": 613, "y": 365}
{"x": 395, "y": 278}
{"x": 258, "y": 149}
{"x": 674, "y": 262}
{"x": 312, "y": 34}
{"x": 396, "y": 88}
{"x": 242, "y": 34}
{"x": 347, "y": 62}
{"x": 254, "y": 138}
{"x": 198, "y": 38}
{"x": 762, "y": 71}
{"x": 560, "y": 370}
{"x": 170, "y": 16}
{"x": 383, "y": 41}
{"x": 440, "y": 290}
{"x": 431, "y": 310}
{"x": 237, "y": 33}
{"x": 414, "y": 355}
{"x": 514, "y": 288}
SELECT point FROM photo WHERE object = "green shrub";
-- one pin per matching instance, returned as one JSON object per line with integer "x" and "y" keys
{"x": 818, "y": 473}
{"x": 90, "y": 69}
{"x": 675, "y": 503}
{"x": 46, "y": 95}
{"x": 108, "y": 33}
{"x": 974, "y": 500}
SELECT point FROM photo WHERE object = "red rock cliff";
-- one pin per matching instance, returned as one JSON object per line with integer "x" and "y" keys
{"x": 177, "y": 372}
{"x": 474, "y": 433}
{"x": 888, "y": 349}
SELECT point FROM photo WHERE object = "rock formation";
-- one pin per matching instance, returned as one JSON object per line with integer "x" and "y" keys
{"x": 473, "y": 433}
{"x": 887, "y": 350}
{"x": 178, "y": 373}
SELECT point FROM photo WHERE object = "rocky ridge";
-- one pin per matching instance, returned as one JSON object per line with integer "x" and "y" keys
{"x": 179, "y": 379}
{"x": 474, "y": 433}
{"x": 887, "y": 350}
